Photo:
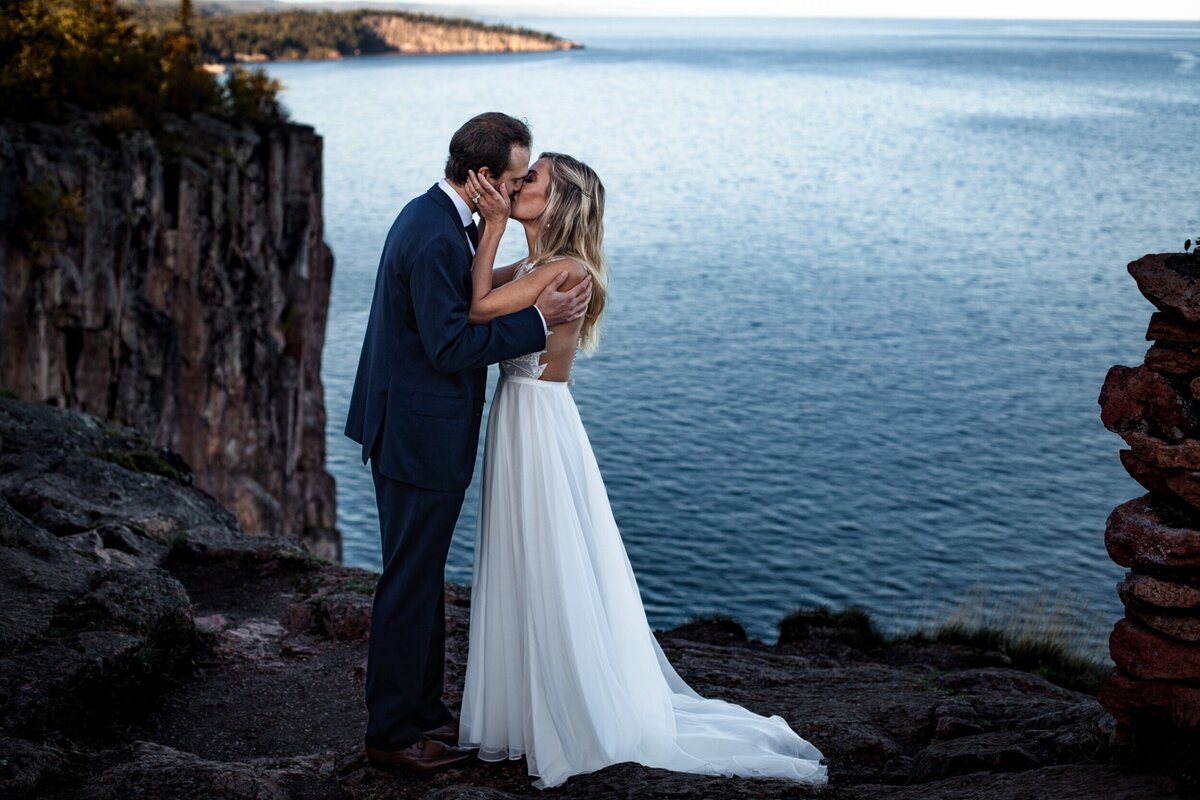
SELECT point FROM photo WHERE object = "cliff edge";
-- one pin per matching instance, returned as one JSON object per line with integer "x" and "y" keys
{"x": 178, "y": 284}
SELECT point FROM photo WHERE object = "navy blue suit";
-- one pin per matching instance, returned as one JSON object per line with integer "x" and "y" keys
{"x": 416, "y": 408}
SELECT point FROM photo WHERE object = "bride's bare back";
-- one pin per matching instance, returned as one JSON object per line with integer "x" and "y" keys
{"x": 562, "y": 343}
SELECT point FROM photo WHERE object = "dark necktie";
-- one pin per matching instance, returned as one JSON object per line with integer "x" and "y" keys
{"x": 473, "y": 234}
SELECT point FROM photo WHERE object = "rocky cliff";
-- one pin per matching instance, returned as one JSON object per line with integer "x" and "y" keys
{"x": 404, "y": 35}
{"x": 178, "y": 284}
{"x": 151, "y": 649}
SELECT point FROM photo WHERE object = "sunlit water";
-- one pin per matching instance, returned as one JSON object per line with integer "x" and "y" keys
{"x": 867, "y": 279}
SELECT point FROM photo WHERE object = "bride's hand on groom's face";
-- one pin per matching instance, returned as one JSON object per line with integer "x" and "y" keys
{"x": 493, "y": 204}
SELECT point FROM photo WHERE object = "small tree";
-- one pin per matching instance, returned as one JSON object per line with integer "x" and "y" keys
{"x": 186, "y": 13}
{"x": 186, "y": 87}
{"x": 251, "y": 94}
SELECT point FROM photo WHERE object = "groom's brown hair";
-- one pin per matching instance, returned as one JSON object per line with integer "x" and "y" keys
{"x": 485, "y": 141}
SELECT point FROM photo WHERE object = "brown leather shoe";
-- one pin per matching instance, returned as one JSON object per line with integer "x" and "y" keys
{"x": 447, "y": 734}
{"x": 424, "y": 756}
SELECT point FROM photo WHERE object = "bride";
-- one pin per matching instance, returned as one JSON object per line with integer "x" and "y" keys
{"x": 563, "y": 668}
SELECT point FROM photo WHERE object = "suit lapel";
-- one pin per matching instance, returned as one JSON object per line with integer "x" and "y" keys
{"x": 439, "y": 197}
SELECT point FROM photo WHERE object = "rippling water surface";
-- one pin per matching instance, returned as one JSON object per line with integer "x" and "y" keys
{"x": 867, "y": 279}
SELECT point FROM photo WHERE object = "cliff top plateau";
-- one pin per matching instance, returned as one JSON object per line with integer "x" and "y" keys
{"x": 149, "y": 648}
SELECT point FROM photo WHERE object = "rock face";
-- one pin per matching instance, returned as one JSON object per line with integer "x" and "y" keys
{"x": 178, "y": 286}
{"x": 404, "y": 35}
{"x": 1154, "y": 407}
{"x": 151, "y": 649}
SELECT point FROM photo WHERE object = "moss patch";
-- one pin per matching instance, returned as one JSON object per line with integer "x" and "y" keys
{"x": 361, "y": 585}
{"x": 140, "y": 461}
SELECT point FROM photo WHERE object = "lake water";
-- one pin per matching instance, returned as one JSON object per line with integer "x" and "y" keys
{"x": 867, "y": 278}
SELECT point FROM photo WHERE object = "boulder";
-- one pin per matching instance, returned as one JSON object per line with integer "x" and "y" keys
{"x": 1150, "y": 655}
{"x": 1170, "y": 282}
{"x": 1147, "y": 590}
{"x": 1168, "y": 328}
{"x": 1152, "y": 478}
{"x": 1177, "y": 358}
{"x": 1134, "y": 700}
{"x": 1147, "y": 532}
{"x": 1183, "y": 627}
{"x": 1132, "y": 396}
{"x": 1184, "y": 454}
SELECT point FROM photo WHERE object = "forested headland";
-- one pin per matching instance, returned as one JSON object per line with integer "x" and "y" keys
{"x": 226, "y": 36}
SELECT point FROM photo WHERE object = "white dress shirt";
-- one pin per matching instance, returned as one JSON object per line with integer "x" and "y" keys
{"x": 464, "y": 214}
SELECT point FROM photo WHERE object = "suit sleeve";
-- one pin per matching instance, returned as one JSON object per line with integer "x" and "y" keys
{"x": 442, "y": 310}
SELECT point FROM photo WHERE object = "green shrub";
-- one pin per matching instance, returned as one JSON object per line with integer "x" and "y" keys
{"x": 251, "y": 94}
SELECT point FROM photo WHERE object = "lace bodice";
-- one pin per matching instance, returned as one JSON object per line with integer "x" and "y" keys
{"x": 528, "y": 365}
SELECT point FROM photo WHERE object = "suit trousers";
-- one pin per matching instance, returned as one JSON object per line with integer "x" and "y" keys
{"x": 407, "y": 647}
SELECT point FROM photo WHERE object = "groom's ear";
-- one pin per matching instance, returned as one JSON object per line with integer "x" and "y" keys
{"x": 484, "y": 172}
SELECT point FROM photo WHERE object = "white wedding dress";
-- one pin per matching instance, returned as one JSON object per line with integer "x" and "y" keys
{"x": 563, "y": 667}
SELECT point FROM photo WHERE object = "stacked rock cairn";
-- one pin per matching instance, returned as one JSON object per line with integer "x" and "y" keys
{"x": 1155, "y": 408}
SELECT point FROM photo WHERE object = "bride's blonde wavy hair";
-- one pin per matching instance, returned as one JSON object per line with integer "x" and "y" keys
{"x": 573, "y": 225}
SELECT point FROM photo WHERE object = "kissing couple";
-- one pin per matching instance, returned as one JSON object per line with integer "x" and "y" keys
{"x": 563, "y": 668}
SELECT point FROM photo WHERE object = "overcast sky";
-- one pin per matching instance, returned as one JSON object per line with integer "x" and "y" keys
{"x": 935, "y": 9}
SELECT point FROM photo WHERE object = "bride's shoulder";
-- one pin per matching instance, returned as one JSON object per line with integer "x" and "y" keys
{"x": 574, "y": 268}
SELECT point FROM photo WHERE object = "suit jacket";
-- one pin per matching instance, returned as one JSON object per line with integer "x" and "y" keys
{"x": 419, "y": 392}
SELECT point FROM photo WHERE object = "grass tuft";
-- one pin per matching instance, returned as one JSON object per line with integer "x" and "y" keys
{"x": 1044, "y": 634}
{"x": 1050, "y": 636}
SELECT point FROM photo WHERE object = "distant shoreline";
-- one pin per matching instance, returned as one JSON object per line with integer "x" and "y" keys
{"x": 222, "y": 67}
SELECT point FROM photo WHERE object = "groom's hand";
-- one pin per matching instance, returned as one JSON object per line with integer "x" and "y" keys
{"x": 559, "y": 307}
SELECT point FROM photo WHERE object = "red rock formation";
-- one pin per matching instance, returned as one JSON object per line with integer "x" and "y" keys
{"x": 178, "y": 284}
{"x": 1153, "y": 407}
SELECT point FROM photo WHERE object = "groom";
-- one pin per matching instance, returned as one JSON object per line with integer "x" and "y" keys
{"x": 416, "y": 409}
